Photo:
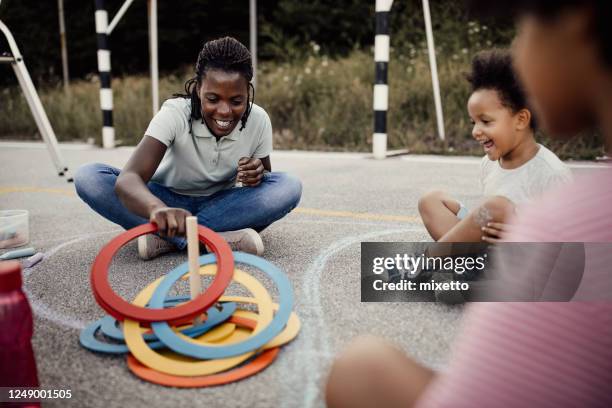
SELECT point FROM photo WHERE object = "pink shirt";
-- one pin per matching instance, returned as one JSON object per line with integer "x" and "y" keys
{"x": 541, "y": 354}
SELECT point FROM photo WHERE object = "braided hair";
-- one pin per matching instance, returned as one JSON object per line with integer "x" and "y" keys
{"x": 226, "y": 54}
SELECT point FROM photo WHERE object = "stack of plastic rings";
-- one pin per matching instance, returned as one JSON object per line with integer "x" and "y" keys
{"x": 179, "y": 342}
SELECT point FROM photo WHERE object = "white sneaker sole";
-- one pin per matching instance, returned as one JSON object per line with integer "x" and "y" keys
{"x": 142, "y": 247}
{"x": 250, "y": 235}
{"x": 256, "y": 238}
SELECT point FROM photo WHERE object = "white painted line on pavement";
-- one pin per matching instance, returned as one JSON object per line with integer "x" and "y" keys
{"x": 431, "y": 159}
{"x": 302, "y": 154}
{"x": 42, "y": 145}
{"x": 38, "y": 306}
{"x": 305, "y": 154}
{"x": 314, "y": 326}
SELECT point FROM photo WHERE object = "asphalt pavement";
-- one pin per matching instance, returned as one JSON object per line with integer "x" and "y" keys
{"x": 347, "y": 199}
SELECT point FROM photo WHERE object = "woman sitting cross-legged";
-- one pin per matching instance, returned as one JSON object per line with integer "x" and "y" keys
{"x": 194, "y": 152}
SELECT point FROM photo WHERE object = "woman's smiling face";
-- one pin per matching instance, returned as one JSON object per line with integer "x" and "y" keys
{"x": 223, "y": 96}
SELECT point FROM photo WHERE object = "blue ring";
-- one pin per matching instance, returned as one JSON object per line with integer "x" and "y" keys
{"x": 278, "y": 323}
{"x": 88, "y": 339}
{"x": 110, "y": 329}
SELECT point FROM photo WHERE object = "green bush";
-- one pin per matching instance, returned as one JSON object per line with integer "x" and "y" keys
{"x": 315, "y": 103}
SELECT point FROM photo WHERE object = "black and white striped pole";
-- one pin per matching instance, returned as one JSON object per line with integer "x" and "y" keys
{"x": 104, "y": 30}
{"x": 381, "y": 89}
{"x": 104, "y": 69}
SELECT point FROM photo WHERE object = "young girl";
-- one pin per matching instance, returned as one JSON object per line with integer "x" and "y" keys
{"x": 195, "y": 150}
{"x": 526, "y": 354}
{"x": 515, "y": 168}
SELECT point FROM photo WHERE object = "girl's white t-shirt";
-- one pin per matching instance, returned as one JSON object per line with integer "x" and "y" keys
{"x": 527, "y": 182}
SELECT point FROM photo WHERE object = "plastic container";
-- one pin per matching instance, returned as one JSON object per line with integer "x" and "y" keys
{"x": 14, "y": 228}
{"x": 17, "y": 364}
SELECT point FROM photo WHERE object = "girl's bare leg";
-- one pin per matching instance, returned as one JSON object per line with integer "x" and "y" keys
{"x": 438, "y": 212}
{"x": 469, "y": 229}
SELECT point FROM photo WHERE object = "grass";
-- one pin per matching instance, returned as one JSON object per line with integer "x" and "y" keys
{"x": 317, "y": 103}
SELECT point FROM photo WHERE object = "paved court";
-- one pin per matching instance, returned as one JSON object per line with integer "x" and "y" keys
{"x": 347, "y": 199}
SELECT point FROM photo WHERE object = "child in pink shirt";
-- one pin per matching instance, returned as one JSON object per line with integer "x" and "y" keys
{"x": 526, "y": 354}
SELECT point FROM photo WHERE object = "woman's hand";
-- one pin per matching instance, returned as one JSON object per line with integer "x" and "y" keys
{"x": 170, "y": 221}
{"x": 250, "y": 171}
{"x": 494, "y": 232}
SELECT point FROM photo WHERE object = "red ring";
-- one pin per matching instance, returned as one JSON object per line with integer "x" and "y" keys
{"x": 121, "y": 309}
{"x": 262, "y": 361}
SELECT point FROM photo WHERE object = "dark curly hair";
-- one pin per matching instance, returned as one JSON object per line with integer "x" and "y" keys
{"x": 226, "y": 54}
{"x": 493, "y": 69}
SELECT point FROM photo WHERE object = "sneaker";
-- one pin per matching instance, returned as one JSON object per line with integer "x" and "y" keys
{"x": 395, "y": 275}
{"x": 244, "y": 240}
{"x": 151, "y": 246}
{"x": 448, "y": 297}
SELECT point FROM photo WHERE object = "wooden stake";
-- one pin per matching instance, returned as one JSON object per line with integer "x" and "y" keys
{"x": 193, "y": 253}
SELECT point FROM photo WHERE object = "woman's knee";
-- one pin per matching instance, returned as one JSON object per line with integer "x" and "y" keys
{"x": 88, "y": 179}
{"x": 288, "y": 189}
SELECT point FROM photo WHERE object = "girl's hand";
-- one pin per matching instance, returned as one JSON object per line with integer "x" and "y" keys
{"x": 250, "y": 171}
{"x": 170, "y": 221}
{"x": 494, "y": 232}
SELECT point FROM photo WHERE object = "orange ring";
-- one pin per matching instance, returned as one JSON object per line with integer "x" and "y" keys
{"x": 259, "y": 363}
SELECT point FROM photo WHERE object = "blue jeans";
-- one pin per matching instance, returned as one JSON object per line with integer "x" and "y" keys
{"x": 226, "y": 210}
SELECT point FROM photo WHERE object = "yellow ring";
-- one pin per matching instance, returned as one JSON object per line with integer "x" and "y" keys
{"x": 156, "y": 361}
{"x": 289, "y": 333}
{"x": 219, "y": 333}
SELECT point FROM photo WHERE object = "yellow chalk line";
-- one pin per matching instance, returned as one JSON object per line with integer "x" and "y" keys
{"x": 4, "y": 190}
{"x": 300, "y": 210}
{"x": 356, "y": 215}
